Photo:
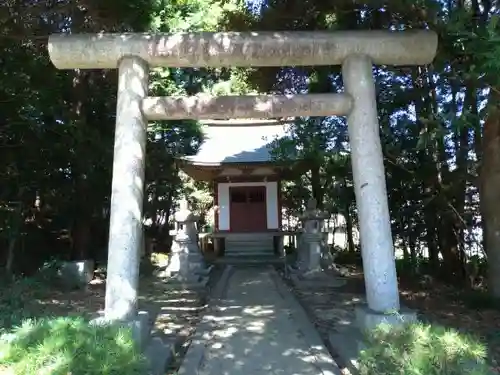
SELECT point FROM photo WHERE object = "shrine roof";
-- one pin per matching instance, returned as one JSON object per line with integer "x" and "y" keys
{"x": 237, "y": 141}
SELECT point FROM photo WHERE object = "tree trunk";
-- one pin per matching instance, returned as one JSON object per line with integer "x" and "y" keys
{"x": 81, "y": 230}
{"x": 426, "y": 105}
{"x": 430, "y": 234}
{"x": 349, "y": 229}
{"x": 317, "y": 190}
{"x": 490, "y": 192}
{"x": 14, "y": 233}
{"x": 81, "y": 238}
{"x": 452, "y": 269}
{"x": 82, "y": 211}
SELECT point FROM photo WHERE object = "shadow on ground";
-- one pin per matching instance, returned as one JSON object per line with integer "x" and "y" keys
{"x": 256, "y": 329}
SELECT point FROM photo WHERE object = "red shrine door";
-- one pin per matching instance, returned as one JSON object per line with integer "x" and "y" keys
{"x": 247, "y": 209}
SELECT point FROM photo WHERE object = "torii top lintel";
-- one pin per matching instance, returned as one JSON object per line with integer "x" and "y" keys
{"x": 245, "y": 49}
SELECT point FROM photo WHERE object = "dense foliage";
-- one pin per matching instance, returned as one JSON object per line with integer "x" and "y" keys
{"x": 440, "y": 128}
{"x": 57, "y": 129}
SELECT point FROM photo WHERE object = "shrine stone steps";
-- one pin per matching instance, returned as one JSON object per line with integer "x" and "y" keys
{"x": 248, "y": 245}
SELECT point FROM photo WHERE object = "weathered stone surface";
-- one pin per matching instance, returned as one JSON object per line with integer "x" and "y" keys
{"x": 266, "y": 106}
{"x": 241, "y": 123}
{"x": 370, "y": 186}
{"x": 235, "y": 49}
{"x": 77, "y": 273}
{"x": 125, "y": 232}
{"x": 310, "y": 247}
{"x": 159, "y": 356}
{"x": 186, "y": 260}
{"x": 367, "y": 319}
{"x": 141, "y": 328}
{"x": 139, "y": 324}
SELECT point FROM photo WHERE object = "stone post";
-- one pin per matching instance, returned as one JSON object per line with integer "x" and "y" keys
{"x": 125, "y": 232}
{"x": 370, "y": 187}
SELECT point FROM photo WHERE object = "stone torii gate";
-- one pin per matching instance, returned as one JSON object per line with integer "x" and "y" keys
{"x": 133, "y": 55}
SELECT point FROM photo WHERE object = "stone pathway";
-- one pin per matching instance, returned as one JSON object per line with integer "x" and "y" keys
{"x": 257, "y": 328}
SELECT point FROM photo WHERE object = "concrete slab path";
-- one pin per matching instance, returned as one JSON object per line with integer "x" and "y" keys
{"x": 257, "y": 328}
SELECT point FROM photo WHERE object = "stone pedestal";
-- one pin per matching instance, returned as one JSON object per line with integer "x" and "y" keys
{"x": 140, "y": 325}
{"x": 311, "y": 252}
{"x": 367, "y": 319}
{"x": 187, "y": 256}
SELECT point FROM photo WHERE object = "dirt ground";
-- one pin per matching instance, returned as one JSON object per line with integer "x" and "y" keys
{"x": 176, "y": 312}
{"x": 330, "y": 308}
{"x": 89, "y": 302}
{"x": 442, "y": 304}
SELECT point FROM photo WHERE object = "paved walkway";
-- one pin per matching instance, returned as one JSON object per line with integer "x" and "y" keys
{"x": 257, "y": 328}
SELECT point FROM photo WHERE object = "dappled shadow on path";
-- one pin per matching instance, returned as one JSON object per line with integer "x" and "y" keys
{"x": 256, "y": 330}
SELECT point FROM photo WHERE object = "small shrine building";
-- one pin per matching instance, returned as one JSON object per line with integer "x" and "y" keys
{"x": 237, "y": 158}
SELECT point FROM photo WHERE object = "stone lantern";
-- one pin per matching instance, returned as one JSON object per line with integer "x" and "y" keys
{"x": 186, "y": 263}
{"x": 311, "y": 240}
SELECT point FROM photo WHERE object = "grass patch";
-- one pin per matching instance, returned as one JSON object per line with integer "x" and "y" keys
{"x": 422, "y": 349}
{"x": 68, "y": 345}
{"x": 18, "y": 301}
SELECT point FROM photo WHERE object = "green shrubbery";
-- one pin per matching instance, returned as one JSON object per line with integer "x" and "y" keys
{"x": 17, "y": 300}
{"x": 32, "y": 342}
{"x": 62, "y": 346}
{"x": 420, "y": 349}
